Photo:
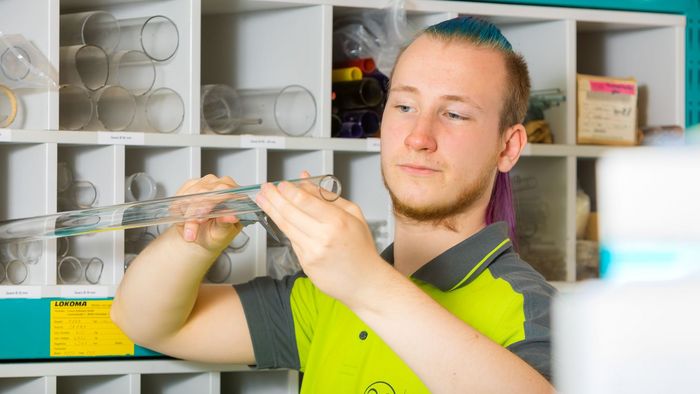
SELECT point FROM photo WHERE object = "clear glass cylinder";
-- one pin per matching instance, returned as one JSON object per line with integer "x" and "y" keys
{"x": 133, "y": 70}
{"x": 98, "y": 28}
{"x": 164, "y": 110}
{"x": 86, "y": 65}
{"x": 64, "y": 176}
{"x": 140, "y": 187}
{"x": 220, "y": 271}
{"x": 72, "y": 270}
{"x": 16, "y": 272}
{"x": 220, "y": 110}
{"x": 115, "y": 107}
{"x": 290, "y": 110}
{"x": 157, "y": 36}
{"x": 80, "y": 195}
{"x": 238, "y": 202}
{"x": 75, "y": 107}
{"x": 8, "y": 106}
{"x": 14, "y": 63}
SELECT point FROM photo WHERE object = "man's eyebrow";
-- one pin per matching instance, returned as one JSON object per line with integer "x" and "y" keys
{"x": 462, "y": 99}
{"x": 404, "y": 88}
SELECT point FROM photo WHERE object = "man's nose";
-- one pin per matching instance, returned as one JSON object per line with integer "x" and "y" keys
{"x": 421, "y": 136}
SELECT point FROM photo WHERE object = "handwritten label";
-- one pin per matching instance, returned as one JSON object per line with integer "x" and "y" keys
{"x": 613, "y": 88}
{"x": 83, "y": 328}
{"x": 112, "y": 138}
{"x": 373, "y": 144}
{"x": 20, "y": 291}
{"x": 84, "y": 291}
{"x": 262, "y": 141}
{"x": 5, "y": 135}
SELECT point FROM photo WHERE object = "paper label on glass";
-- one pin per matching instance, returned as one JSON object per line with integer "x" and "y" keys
{"x": 607, "y": 110}
{"x": 373, "y": 144}
{"x": 84, "y": 291}
{"x": 262, "y": 141}
{"x": 113, "y": 138}
{"x": 5, "y": 135}
{"x": 83, "y": 328}
{"x": 20, "y": 291}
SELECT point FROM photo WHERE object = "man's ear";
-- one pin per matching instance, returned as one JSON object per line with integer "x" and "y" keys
{"x": 514, "y": 141}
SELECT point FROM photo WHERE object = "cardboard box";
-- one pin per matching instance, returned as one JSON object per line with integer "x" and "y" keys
{"x": 606, "y": 110}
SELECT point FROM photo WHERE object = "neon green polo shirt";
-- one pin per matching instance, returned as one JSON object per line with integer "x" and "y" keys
{"x": 480, "y": 280}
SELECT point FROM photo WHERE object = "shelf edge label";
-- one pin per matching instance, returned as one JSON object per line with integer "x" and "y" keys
{"x": 20, "y": 291}
{"x": 262, "y": 141}
{"x": 373, "y": 144}
{"x": 125, "y": 138}
{"x": 84, "y": 291}
{"x": 5, "y": 135}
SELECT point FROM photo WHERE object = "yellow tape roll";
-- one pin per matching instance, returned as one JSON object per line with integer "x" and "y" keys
{"x": 13, "y": 106}
{"x": 347, "y": 74}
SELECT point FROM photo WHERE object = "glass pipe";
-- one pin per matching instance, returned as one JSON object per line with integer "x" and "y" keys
{"x": 237, "y": 202}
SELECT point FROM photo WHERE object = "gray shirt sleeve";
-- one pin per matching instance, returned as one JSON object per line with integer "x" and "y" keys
{"x": 535, "y": 349}
{"x": 266, "y": 304}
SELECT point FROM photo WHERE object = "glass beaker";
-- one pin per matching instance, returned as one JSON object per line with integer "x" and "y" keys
{"x": 62, "y": 247}
{"x": 75, "y": 108}
{"x": 132, "y": 70}
{"x": 115, "y": 107}
{"x": 8, "y": 106}
{"x": 85, "y": 65}
{"x": 290, "y": 110}
{"x": 157, "y": 36}
{"x": 98, "y": 28}
{"x": 140, "y": 187}
{"x": 73, "y": 270}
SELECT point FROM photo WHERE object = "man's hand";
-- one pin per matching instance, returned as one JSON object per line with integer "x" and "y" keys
{"x": 211, "y": 234}
{"x": 331, "y": 239}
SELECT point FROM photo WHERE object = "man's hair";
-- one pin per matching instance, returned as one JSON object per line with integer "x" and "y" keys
{"x": 484, "y": 34}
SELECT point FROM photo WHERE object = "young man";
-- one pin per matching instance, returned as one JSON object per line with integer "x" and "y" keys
{"x": 448, "y": 308}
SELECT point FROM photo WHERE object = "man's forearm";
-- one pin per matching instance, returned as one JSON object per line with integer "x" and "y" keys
{"x": 160, "y": 288}
{"x": 447, "y": 354}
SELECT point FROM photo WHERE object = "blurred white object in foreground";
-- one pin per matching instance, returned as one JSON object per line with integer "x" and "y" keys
{"x": 636, "y": 330}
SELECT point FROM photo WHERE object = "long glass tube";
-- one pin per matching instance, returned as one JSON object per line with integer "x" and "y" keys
{"x": 237, "y": 201}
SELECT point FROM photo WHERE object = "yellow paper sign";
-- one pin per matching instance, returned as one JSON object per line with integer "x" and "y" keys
{"x": 83, "y": 328}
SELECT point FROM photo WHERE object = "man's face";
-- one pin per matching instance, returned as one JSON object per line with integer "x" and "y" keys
{"x": 440, "y": 137}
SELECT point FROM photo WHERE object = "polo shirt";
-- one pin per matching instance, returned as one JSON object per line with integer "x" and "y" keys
{"x": 481, "y": 280}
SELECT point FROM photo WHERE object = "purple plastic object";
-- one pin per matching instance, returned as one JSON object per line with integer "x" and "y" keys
{"x": 368, "y": 120}
{"x": 351, "y": 130}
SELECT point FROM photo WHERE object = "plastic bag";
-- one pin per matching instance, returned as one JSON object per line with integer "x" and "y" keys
{"x": 23, "y": 66}
{"x": 376, "y": 34}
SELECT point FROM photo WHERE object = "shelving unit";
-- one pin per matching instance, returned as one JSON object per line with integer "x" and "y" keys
{"x": 269, "y": 43}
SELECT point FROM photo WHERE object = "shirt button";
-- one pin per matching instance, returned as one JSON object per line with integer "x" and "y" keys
{"x": 363, "y": 335}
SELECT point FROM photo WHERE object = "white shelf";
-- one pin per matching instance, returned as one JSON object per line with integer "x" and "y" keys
{"x": 86, "y": 368}
{"x": 265, "y": 43}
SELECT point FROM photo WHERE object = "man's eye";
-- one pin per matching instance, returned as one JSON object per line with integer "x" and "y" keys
{"x": 403, "y": 108}
{"x": 455, "y": 116}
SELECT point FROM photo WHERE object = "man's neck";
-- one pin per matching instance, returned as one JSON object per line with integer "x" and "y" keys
{"x": 416, "y": 243}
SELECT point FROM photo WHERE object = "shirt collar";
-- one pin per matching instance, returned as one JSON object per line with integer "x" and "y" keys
{"x": 462, "y": 263}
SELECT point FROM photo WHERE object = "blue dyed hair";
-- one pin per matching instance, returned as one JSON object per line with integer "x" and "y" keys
{"x": 484, "y": 34}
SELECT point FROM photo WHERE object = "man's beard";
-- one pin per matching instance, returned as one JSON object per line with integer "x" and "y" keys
{"x": 442, "y": 215}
